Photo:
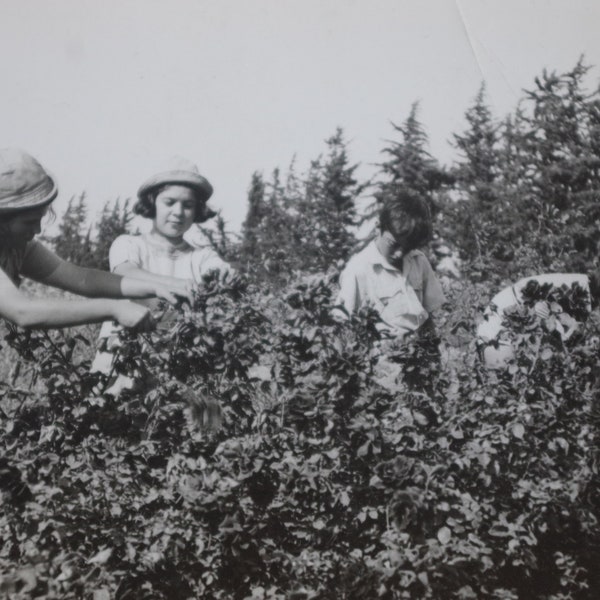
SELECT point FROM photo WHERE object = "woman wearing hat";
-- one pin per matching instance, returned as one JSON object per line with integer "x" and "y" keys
{"x": 175, "y": 199}
{"x": 26, "y": 192}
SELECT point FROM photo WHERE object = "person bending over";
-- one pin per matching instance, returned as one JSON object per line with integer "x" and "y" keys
{"x": 497, "y": 352}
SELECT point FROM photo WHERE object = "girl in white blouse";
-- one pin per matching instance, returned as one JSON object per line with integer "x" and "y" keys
{"x": 174, "y": 199}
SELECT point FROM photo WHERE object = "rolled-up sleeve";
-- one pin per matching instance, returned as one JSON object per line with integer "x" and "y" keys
{"x": 421, "y": 275}
{"x": 433, "y": 294}
{"x": 39, "y": 262}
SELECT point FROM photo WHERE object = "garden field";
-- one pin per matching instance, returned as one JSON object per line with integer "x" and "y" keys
{"x": 324, "y": 481}
{"x": 347, "y": 466}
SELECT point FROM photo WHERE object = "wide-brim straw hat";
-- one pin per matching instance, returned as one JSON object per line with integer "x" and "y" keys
{"x": 24, "y": 183}
{"x": 178, "y": 171}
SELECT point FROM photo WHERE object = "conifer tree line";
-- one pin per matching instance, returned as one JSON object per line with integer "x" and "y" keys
{"x": 521, "y": 196}
{"x": 83, "y": 244}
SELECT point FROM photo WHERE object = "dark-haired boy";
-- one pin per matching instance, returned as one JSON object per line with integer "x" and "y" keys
{"x": 391, "y": 274}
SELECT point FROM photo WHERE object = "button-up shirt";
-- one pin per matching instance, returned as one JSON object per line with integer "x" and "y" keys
{"x": 403, "y": 298}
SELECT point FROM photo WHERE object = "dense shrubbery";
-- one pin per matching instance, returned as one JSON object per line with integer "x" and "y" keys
{"x": 323, "y": 482}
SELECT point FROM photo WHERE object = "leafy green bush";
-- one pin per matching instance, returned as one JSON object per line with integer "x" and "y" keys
{"x": 326, "y": 479}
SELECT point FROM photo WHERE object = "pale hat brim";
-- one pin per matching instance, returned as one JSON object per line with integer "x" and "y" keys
{"x": 188, "y": 178}
{"x": 37, "y": 197}
{"x": 24, "y": 183}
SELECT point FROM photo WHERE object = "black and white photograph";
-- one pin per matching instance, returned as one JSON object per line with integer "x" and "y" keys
{"x": 299, "y": 300}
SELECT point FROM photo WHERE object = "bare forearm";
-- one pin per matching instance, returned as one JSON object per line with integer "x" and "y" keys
{"x": 131, "y": 271}
{"x": 33, "y": 313}
{"x": 101, "y": 284}
{"x": 137, "y": 282}
{"x": 137, "y": 288}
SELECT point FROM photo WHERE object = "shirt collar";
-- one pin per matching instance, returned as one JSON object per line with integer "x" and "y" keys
{"x": 163, "y": 244}
{"x": 376, "y": 259}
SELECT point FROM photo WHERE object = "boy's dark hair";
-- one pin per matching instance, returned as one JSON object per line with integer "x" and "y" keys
{"x": 146, "y": 205}
{"x": 406, "y": 216}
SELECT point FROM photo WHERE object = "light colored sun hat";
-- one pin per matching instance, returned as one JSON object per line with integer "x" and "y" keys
{"x": 178, "y": 171}
{"x": 24, "y": 183}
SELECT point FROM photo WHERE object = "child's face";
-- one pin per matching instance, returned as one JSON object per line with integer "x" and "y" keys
{"x": 175, "y": 211}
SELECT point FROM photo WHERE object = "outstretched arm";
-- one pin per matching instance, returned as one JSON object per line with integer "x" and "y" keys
{"x": 130, "y": 270}
{"x": 46, "y": 313}
{"x": 46, "y": 267}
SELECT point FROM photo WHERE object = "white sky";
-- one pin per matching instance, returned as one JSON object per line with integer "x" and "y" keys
{"x": 101, "y": 91}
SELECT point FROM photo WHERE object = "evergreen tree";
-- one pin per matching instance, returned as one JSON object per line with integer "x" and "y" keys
{"x": 512, "y": 156}
{"x": 113, "y": 222}
{"x": 328, "y": 207}
{"x": 277, "y": 233}
{"x": 477, "y": 167}
{"x": 73, "y": 241}
{"x": 254, "y": 216}
{"x": 562, "y": 159}
{"x": 222, "y": 241}
{"x": 302, "y": 223}
{"x": 471, "y": 214}
{"x": 528, "y": 191}
{"x": 557, "y": 195}
{"x": 267, "y": 231}
{"x": 410, "y": 165}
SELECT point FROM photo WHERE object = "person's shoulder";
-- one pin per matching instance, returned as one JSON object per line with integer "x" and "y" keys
{"x": 128, "y": 238}
{"x": 418, "y": 256}
{"x": 36, "y": 248}
{"x": 204, "y": 255}
{"x": 201, "y": 251}
{"x": 126, "y": 247}
{"x": 206, "y": 258}
{"x": 33, "y": 245}
{"x": 364, "y": 256}
{"x": 420, "y": 261}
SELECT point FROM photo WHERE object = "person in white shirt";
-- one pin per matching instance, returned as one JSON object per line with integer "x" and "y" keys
{"x": 496, "y": 352}
{"x": 175, "y": 199}
{"x": 390, "y": 274}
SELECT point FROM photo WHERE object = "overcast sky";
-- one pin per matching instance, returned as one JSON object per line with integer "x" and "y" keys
{"x": 102, "y": 91}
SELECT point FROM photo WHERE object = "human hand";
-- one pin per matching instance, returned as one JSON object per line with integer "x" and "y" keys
{"x": 133, "y": 316}
{"x": 176, "y": 291}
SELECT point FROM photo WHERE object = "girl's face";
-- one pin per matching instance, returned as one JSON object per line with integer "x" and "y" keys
{"x": 175, "y": 211}
{"x": 25, "y": 225}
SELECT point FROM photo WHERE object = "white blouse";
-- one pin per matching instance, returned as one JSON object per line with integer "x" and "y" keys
{"x": 162, "y": 258}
